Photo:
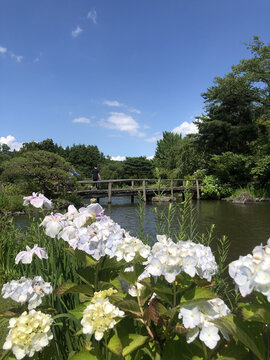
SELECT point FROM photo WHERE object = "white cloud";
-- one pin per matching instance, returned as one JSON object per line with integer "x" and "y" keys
{"x": 18, "y": 58}
{"x": 133, "y": 110}
{"x": 155, "y": 138}
{"x": 92, "y": 15}
{"x": 11, "y": 142}
{"x": 122, "y": 122}
{"x": 76, "y": 32}
{"x": 150, "y": 157}
{"x": 82, "y": 120}
{"x": 2, "y": 50}
{"x": 186, "y": 128}
{"x": 118, "y": 158}
{"x": 112, "y": 103}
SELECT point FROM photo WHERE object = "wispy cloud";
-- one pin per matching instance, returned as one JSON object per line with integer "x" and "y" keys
{"x": 133, "y": 110}
{"x": 75, "y": 33}
{"x": 81, "y": 120}
{"x": 3, "y": 50}
{"x": 92, "y": 15}
{"x": 118, "y": 158}
{"x": 11, "y": 142}
{"x": 150, "y": 157}
{"x": 157, "y": 136}
{"x": 113, "y": 103}
{"x": 116, "y": 103}
{"x": 18, "y": 58}
{"x": 186, "y": 128}
{"x": 122, "y": 122}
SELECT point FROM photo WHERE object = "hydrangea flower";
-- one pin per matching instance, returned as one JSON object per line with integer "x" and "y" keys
{"x": 37, "y": 200}
{"x": 198, "y": 320}
{"x": 170, "y": 259}
{"x": 100, "y": 315}
{"x": 26, "y": 257}
{"x": 252, "y": 272}
{"x": 27, "y": 291}
{"x": 28, "y": 333}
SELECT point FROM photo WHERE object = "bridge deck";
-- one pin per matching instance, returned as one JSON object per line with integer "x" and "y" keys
{"x": 146, "y": 191}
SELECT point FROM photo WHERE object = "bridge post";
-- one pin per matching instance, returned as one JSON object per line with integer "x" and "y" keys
{"x": 171, "y": 188}
{"x": 198, "y": 190}
{"x": 132, "y": 196}
{"x": 109, "y": 193}
{"x": 144, "y": 191}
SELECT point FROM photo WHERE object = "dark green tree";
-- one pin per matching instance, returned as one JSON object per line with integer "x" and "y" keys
{"x": 229, "y": 123}
{"x": 257, "y": 71}
{"x": 164, "y": 150}
{"x": 38, "y": 171}
{"x": 138, "y": 168}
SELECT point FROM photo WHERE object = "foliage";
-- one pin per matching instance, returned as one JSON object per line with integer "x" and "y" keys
{"x": 231, "y": 168}
{"x": 164, "y": 151}
{"x": 112, "y": 170}
{"x": 38, "y": 171}
{"x": 213, "y": 189}
{"x": 229, "y": 123}
{"x": 10, "y": 198}
{"x": 261, "y": 169}
{"x": 138, "y": 167}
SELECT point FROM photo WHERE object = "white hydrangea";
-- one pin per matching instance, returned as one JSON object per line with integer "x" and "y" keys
{"x": 252, "y": 272}
{"x": 28, "y": 333}
{"x": 170, "y": 259}
{"x": 126, "y": 247}
{"x": 100, "y": 315}
{"x": 27, "y": 291}
{"x": 198, "y": 320}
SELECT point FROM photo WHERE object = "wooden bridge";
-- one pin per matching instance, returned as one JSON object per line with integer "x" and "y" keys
{"x": 131, "y": 187}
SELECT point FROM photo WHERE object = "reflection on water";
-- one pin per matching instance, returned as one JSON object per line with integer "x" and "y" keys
{"x": 245, "y": 225}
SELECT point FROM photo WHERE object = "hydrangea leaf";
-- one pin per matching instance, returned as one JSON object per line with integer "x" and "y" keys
{"x": 115, "y": 345}
{"x": 84, "y": 355}
{"x": 134, "y": 341}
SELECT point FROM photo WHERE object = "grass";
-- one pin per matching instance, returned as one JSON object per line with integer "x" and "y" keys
{"x": 252, "y": 190}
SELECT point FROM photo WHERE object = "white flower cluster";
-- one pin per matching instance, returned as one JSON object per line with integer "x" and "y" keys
{"x": 252, "y": 272}
{"x": 27, "y": 290}
{"x": 170, "y": 259}
{"x": 104, "y": 237}
{"x": 28, "y": 333}
{"x": 100, "y": 315}
{"x": 198, "y": 321}
{"x": 26, "y": 257}
{"x": 37, "y": 200}
{"x": 54, "y": 223}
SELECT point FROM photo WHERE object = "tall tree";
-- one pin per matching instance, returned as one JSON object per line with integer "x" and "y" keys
{"x": 138, "y": 167}
{"x": 229, "y": 123}
{"x": 164, "y": 153}
{"x": 257, "y": 71}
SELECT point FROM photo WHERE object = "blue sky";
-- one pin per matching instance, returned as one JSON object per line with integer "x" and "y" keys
{"x": 116, "y": 73}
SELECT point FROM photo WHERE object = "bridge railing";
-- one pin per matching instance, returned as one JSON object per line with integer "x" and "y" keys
{"x": 143, "y": 187}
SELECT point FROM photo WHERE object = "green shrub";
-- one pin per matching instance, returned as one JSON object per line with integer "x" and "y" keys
{"x": 213, "y": 189}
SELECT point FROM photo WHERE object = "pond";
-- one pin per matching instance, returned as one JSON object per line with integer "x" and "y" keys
{"x": 245, "y": 225}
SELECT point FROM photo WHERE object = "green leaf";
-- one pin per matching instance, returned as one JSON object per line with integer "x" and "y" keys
{"x": 129, "y": 277}
{"x": 64, "y": 287}
{"x": 115, "y": 345}
{"x": 70, "y": 288}
{"x": 134, "y": 342}
{"x": 77, "y": 312}
{"x": 196, "y": 296}
{"x": 87, "y": 275}
{"x": 81, "y": 256}
{"x": 84, "y": 355}
{"x": 256, "y": 312}
{"x": 244, "y": 332}
{"x": 129, "y": 306}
